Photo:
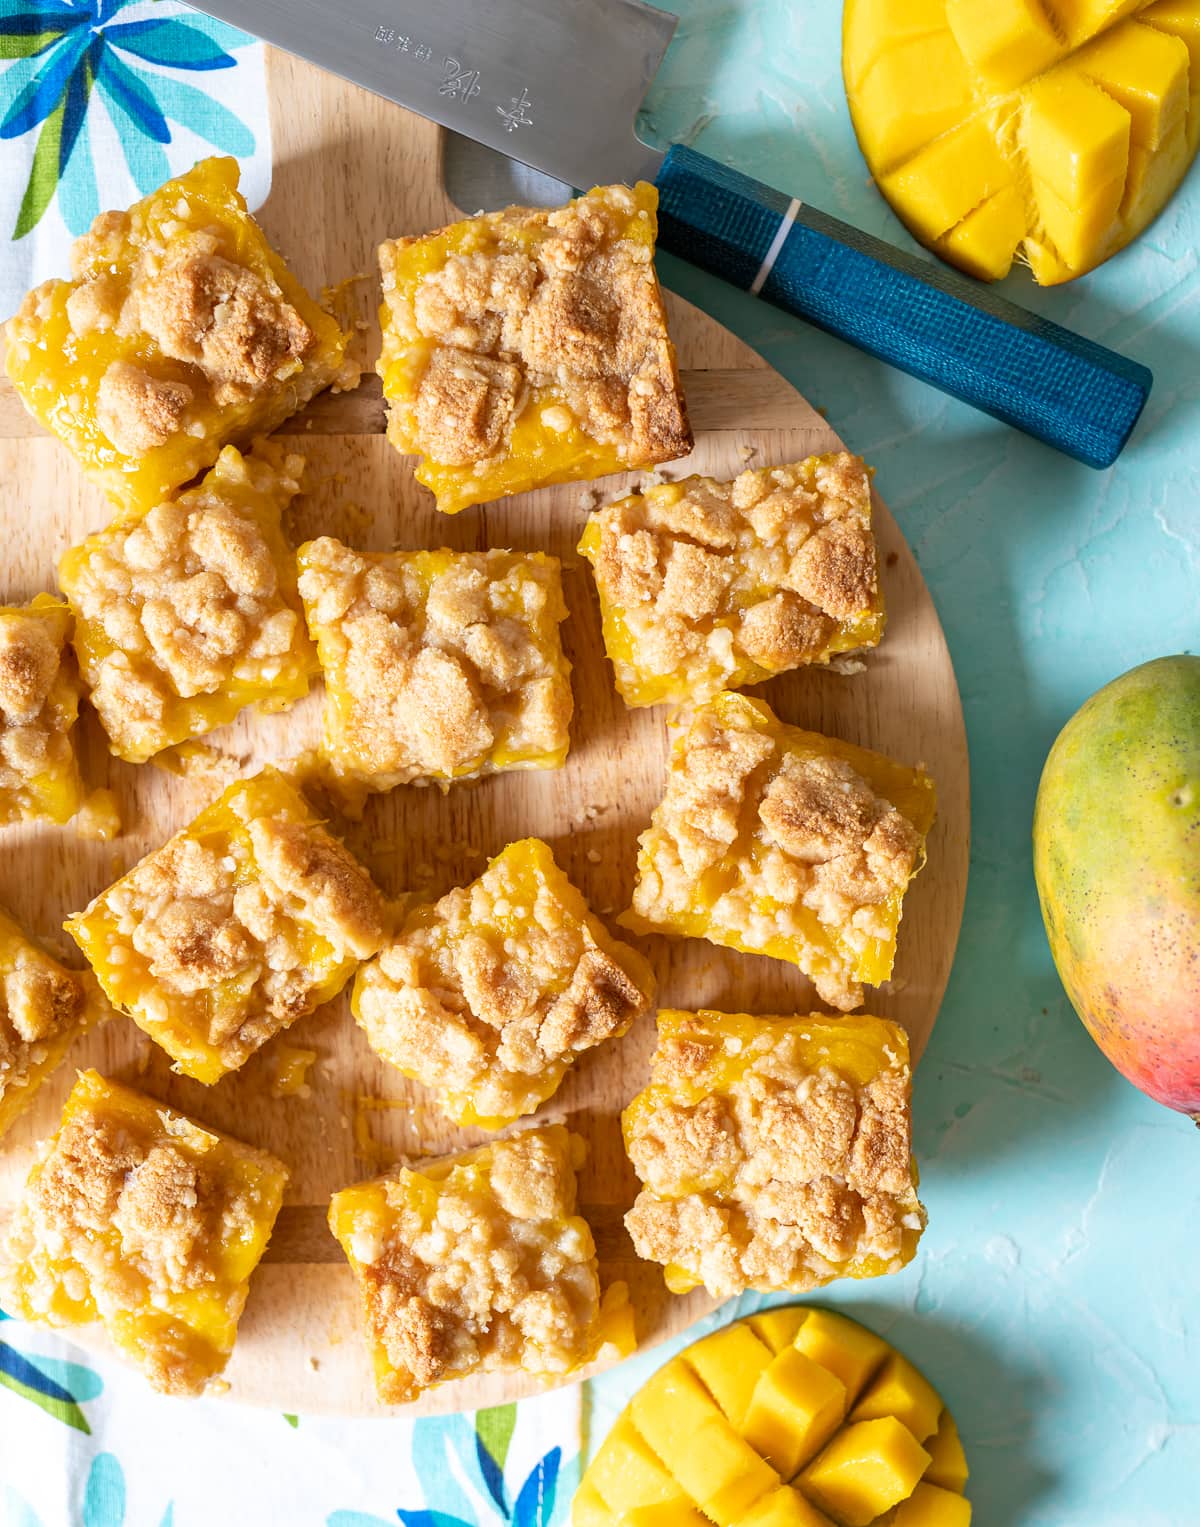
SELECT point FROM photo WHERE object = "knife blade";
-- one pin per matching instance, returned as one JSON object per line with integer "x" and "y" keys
{"x": 557, "y": 85}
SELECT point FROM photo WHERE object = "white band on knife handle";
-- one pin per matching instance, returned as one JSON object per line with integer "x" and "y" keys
{"x": 777, "y": 243}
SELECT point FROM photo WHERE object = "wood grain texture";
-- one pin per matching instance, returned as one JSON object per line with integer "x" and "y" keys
{"x": 349, "y": 171}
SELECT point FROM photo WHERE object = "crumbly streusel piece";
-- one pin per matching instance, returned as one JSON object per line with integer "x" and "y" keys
{"x": 181, "y": 330}
{"x": 479, "y": 1262}
{"x": 489, "y": 995}
{"x": 439, "y": 665}
{"x": 236, "y": 927}
{"x": 708, "y": 585}
{"x": 145, "y": 1220}
{"x": 43, "y": 1008}
{"x": 39, "y": 703}
{"x": 783, "y": 842}
{"x": 775, "y": 1153}
{"x": 188, "y": 613}
{"x": 528, "y": 347}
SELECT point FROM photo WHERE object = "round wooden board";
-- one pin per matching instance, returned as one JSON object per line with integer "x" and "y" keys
{"x": 349, "y": 171}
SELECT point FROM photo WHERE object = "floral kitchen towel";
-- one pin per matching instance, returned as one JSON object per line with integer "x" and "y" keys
{"x": 85, "y": 1443}
{"x": 101, "y": 101}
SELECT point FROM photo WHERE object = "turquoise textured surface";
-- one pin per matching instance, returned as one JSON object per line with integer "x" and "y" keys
{"x": 1053, "y": 1299}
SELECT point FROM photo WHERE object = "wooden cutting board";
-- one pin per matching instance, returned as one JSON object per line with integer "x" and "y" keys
{"x": 349, "y": 171}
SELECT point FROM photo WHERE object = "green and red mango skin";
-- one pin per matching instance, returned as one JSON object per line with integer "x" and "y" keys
{"x": 1116, "y": 842}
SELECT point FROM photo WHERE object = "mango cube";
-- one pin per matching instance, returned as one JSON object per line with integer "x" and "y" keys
{"x": 626, "y": 1473}
{"x": 986, "y": 240}
{"x": 797, "y": 1406}
{"x": 947, "y": 1461}
{"x": 777, "y": 1327}
{"x": 730, "y": 1363}
{"x": 1007, "y": 41}
{"x": 848, "y": 1350}
{"x": 899, "y": 1390}
{"x": 946, "y": 180}
{"x": 588, "y": 1509}
{"x": 900, "y": 120}
{"x": 1081, "y": 19}
{"x": 1075, "y": 137}
{"x": 671, "y": 1513}
{"x": 929, "y": 1506}
{"x": 866, "y": 1470}
{"x": 1180, "y": 18}
{"x": 784, "y": 1507}
{"x": 1147, "y": 72}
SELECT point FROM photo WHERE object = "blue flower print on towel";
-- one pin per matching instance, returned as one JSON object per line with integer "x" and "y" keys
{"x": 65, "y": 60}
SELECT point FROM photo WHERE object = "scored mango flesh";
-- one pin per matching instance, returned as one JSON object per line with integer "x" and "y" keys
{"x": 795, "y": 1417}
{"x": 1047, "y": 131}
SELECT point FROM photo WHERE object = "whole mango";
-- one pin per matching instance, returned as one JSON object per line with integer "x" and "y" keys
{"x": 1116, "y": 847}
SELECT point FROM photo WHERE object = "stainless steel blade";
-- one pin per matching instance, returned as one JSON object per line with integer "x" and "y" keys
{"x": 556, "y": 84}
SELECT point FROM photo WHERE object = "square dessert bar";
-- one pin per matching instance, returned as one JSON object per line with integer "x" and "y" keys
{"x": 180, "y": 331}
{"x": 778, "y": 841}
{"x": 489, "y": 995}
{"x": 242, "y": 923}
{"x": 141, "y": 1218}
{"x": 529, "y": 347}
{"x": 439, "y": 665}
{"x": 478, "y": 1263}
{"x": 39, "y": 704}
{"x": 709, "y": 585}
{"x": 775, "y": 1153}
{"x": 43, "y": 1007}
{"x": 188, "y": 612}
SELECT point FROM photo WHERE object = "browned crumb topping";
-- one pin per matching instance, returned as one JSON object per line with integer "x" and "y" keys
{"x": 33, "y": 727}
{"x": 802, "y": 835}
{"x": 39, "y": 1002}
{"x": 203, "y": 916}
{"x": 497, "y": 1274}
{"x": 437, "y": 660}
{"x": 138, "y": 411}
{"x": 186, "y": 602}
{"x": 776, "y": 1178}
{"x": 488, "y": 996}
{"x": 561, "y": 302}
{"x": 711, "y": 577}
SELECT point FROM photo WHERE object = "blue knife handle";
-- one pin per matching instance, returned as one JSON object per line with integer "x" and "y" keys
{"x": 926, "y": 319}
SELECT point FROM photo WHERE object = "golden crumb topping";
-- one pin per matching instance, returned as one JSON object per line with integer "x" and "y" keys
{"x": 233, "y": 929}
{"x": 39, "y": 700}
{"x": 489, "y": 995}
{"x": 774, "y": 1153}
{"x": 771, "y": 839}
{"x": 707, "y": 585}
{"x": 525, "y": 308}
{"x": 42, "y": 1006}
{"x": 475, "y": 1264}
{"x": 195, "y": 598}
{"x": 438, "y": 665}
{"x": 138, "y": 1216}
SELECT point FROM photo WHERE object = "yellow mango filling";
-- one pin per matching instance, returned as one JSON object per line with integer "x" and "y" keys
{"x": 741, "y": 1434}
{"x": 44, "y": 1007}
{"x": 180, "y": 331}
{"x": 527, "y": 347}
{"x": 775, "y": 1153}
{"x": 439, "y": 665}
{"x": 1004, "y": 130}
{"x": 489, "y": 995}
{"x": 141, "y": 1218}
{"x": 39, "y": 705}
{"x": 478, "y": 1263}
{"x": 782, "y": 842}
{"x": 708, "y": 585}
{"x": 242, "y": 923}
{"x": 187, "y": 613}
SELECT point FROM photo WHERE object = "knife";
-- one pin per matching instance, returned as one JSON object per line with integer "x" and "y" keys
{"x": 557, "y": 84}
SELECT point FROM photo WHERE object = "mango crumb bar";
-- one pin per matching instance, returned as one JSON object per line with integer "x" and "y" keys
{"x": 44, "y": 1007}
{"x": 242, "y": 923}
{"x": 778, "y": 841}
{"x": 187, "y": 613}
{"x": 439, "y": 665}
{"x": 708, "y": 585}
{"x": 775, "y": 1153}
{"x": 489, "y": 995}
{"x": 478, "y": 1263}
{"x": 39, "y": 705}
{"x": 527, "y": 347}
{"x": 180, "y": 331}
{"x": 141, "y": 1218}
